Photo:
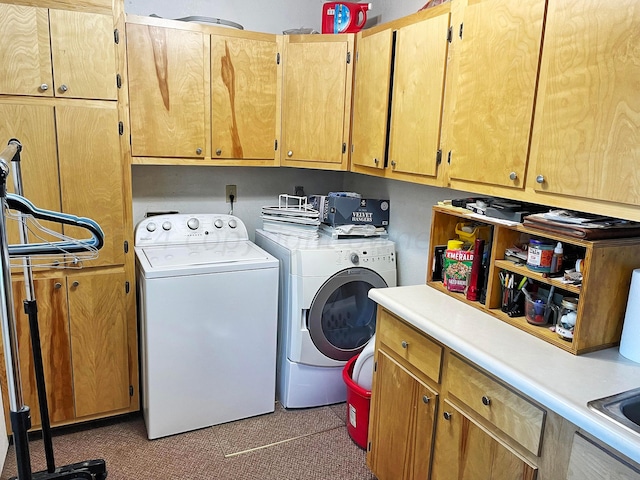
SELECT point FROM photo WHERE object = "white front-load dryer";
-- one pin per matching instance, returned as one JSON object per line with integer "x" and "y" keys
{"x": 324, "y": 314}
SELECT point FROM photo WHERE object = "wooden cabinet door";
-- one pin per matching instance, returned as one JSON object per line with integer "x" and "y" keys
{"x": 371, "y": 99}
{"x": 53, "y": 326}
{"x": 25, "y": 53}
{"x": 244, "y": 96}
{"x": 418, "y": 90}
{"x": 83, "y": 55}
{"x": 588, "y": 461}
{"x": 498, "y": 67}
{"x": 168, "y": 107}
{"x": 464, "y": 451}
{"x": 34, "y": 126}
{"x": 316, "y": 109}
{"x": 586, "y": 134}
{"x": 98, "y": 342}
{"x": 91, "y": 177}
{"x": 403, "y": 411}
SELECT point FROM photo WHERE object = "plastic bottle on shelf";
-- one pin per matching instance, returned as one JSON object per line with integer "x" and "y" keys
{"x": 556, "y": 260}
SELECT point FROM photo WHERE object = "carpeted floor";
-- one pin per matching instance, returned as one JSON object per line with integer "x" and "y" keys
{"x": 285, "y": 445}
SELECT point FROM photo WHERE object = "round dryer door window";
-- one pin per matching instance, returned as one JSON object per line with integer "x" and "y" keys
{"x": 342, "y": 317}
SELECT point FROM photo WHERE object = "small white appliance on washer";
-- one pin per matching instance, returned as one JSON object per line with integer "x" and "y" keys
{"x": 208, "y": 305}
{"x": 325, "y": 314}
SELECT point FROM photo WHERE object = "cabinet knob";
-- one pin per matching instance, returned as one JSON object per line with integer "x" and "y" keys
{"x": 404, "y": 344}
{"x": 486, "y": 400}
{"x": 198, "y": 151}
{"x": 425, "y": 399}
{"x": 75, "y": 284}
{"x": 218, "y": 152}
{"x": 57, "y": 285}
{"x": 44, "y": 87}
{"x": 376, "y": 161}
{"x": 447, "y": 415}
{"x": 289, "y": 153}
{"x": 513, "y": 175}
{"x": 63, "y": 88}
{"x": 540, "y": 179}
{"x": 393, "y": 164}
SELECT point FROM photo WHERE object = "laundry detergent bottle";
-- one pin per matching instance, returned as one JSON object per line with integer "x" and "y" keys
{"x": 344, "y": 17}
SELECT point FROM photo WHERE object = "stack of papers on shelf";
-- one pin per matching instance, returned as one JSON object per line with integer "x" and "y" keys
{"x": 293, "y": 216}
{"x": 354, "y": 231}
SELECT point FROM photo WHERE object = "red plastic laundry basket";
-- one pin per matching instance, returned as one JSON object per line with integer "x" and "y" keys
{"x": 358, "y": 402}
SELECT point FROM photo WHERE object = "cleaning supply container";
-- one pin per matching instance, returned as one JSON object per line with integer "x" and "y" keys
{"x": 344, "y": 17}
{"x": 358, "y": 404}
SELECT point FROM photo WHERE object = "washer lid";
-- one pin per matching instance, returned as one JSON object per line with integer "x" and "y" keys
{"x": 170, "y": 260}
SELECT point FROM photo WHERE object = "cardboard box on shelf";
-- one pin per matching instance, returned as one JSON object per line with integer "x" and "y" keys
{"x": 337, "y": 211}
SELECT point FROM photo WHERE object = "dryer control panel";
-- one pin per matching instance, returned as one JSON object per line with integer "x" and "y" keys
{"x": 189, "y": 228}
{"x": 367, "y": 256}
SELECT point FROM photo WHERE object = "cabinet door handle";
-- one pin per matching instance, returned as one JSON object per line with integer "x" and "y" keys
{"x": 63, "y": 88}
{"x": 447, "y": 415}
{"x": 393, "y": 164}
{"x": 513, "y": 175}
{"x": 57, "y": 285}
{"x": 375, "y": 161}
{"x": 75, "y": 284}
{"x": 540, "y": 179}
{"x": 425, "y": 399}
{"x": 44, "y": 87}
{"x": 404, "y": 344}
{"x": 198, "y": 151}
{"x": 486, "y": 400}
{"x": 290, "y": 153}
{"x": 218, "y": 152}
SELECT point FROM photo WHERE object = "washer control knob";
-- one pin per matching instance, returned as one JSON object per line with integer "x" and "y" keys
{"x": 193, "y": 223}
{"x": 355, "y": 259}
{"x": 151, "y": 227}
{"x": 218, "y": 223}
{"x": 233, "y": 223}
{"x": 166, "y": 226}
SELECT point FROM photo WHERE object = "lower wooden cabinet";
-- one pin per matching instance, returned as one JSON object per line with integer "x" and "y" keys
{"x": 84, "y": 343}
{"x": 589, "y": 461}
{"x": 465, "y": 451}
{"x": 401, "y": 437}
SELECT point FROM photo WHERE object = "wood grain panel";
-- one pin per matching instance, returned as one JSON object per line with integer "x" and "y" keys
{"x": 25, "y": 54}
{"x": 371, "y": 99}
{"x": 243, "y": 97}
{"x": 511, "y": 413}
{"x": 34, "y": 126}
{"x": 403, "y": 443}
{"x": 99, "y": 342}
{"x": 166, "y": 69}
{"x": 466, "y": 452}
{"x": 91, "y": 174}
{"x": 96, "y": 6}
{"x": 497, "y": 75}
{"x": 421, "y": 352}
{"x": 53, "y": 326}
{"x": 314, "y": 98}
{"x": 588, "y": 105}
{"x": 590, "y": 462}
{"x": 418, "y": 92}
{"x": 83, "y": 53}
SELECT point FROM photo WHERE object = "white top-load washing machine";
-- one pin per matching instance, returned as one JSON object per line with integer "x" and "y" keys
{"x": 325, "y": 315}
{"x": 208, "y": 304}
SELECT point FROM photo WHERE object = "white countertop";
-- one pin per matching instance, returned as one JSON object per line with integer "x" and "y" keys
{"x": 557, "y": 379}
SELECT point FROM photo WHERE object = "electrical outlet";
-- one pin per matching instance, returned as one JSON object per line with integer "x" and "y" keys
{"x": 231, "y": 190}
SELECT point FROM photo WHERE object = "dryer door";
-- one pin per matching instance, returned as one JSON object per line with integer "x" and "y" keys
{"x": 342, "y": 318}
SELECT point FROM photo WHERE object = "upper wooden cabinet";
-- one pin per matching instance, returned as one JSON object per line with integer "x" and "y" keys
{"x": 586, "y": 135}
{"x": 168, "y": 74}
{"x": 244, "y": 96}
{"x": 58, "y": 53}
{"x": 498, "y": 51}
{"x": 316, "y": 100}
{"x": 401, "y": 140}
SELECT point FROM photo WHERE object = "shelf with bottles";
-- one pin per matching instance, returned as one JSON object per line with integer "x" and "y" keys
{"x": 606, "y": 267}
